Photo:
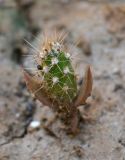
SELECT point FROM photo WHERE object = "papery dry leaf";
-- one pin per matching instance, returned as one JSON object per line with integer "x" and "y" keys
{"x": 34, "y": 86}
{"x": 86, "y": 88}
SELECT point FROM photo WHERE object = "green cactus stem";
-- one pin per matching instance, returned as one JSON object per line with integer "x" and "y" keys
{"x": 57, "y": 73}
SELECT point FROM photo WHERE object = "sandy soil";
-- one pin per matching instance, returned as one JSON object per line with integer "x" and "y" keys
{"x": 100, "y": 27}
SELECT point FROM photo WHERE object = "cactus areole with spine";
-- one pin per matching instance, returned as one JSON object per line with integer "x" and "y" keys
{"x": 55, "y": 84}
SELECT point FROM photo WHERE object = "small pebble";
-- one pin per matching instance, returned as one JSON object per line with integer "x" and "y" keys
{"x": 116, "y": 71}
{"x": 35, "y": 124}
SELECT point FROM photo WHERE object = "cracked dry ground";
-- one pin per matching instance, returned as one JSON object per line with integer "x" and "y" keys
{"x": 102, "y": 26}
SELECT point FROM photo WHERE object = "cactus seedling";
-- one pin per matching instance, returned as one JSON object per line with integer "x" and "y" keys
{"x": 56, "y": 84}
